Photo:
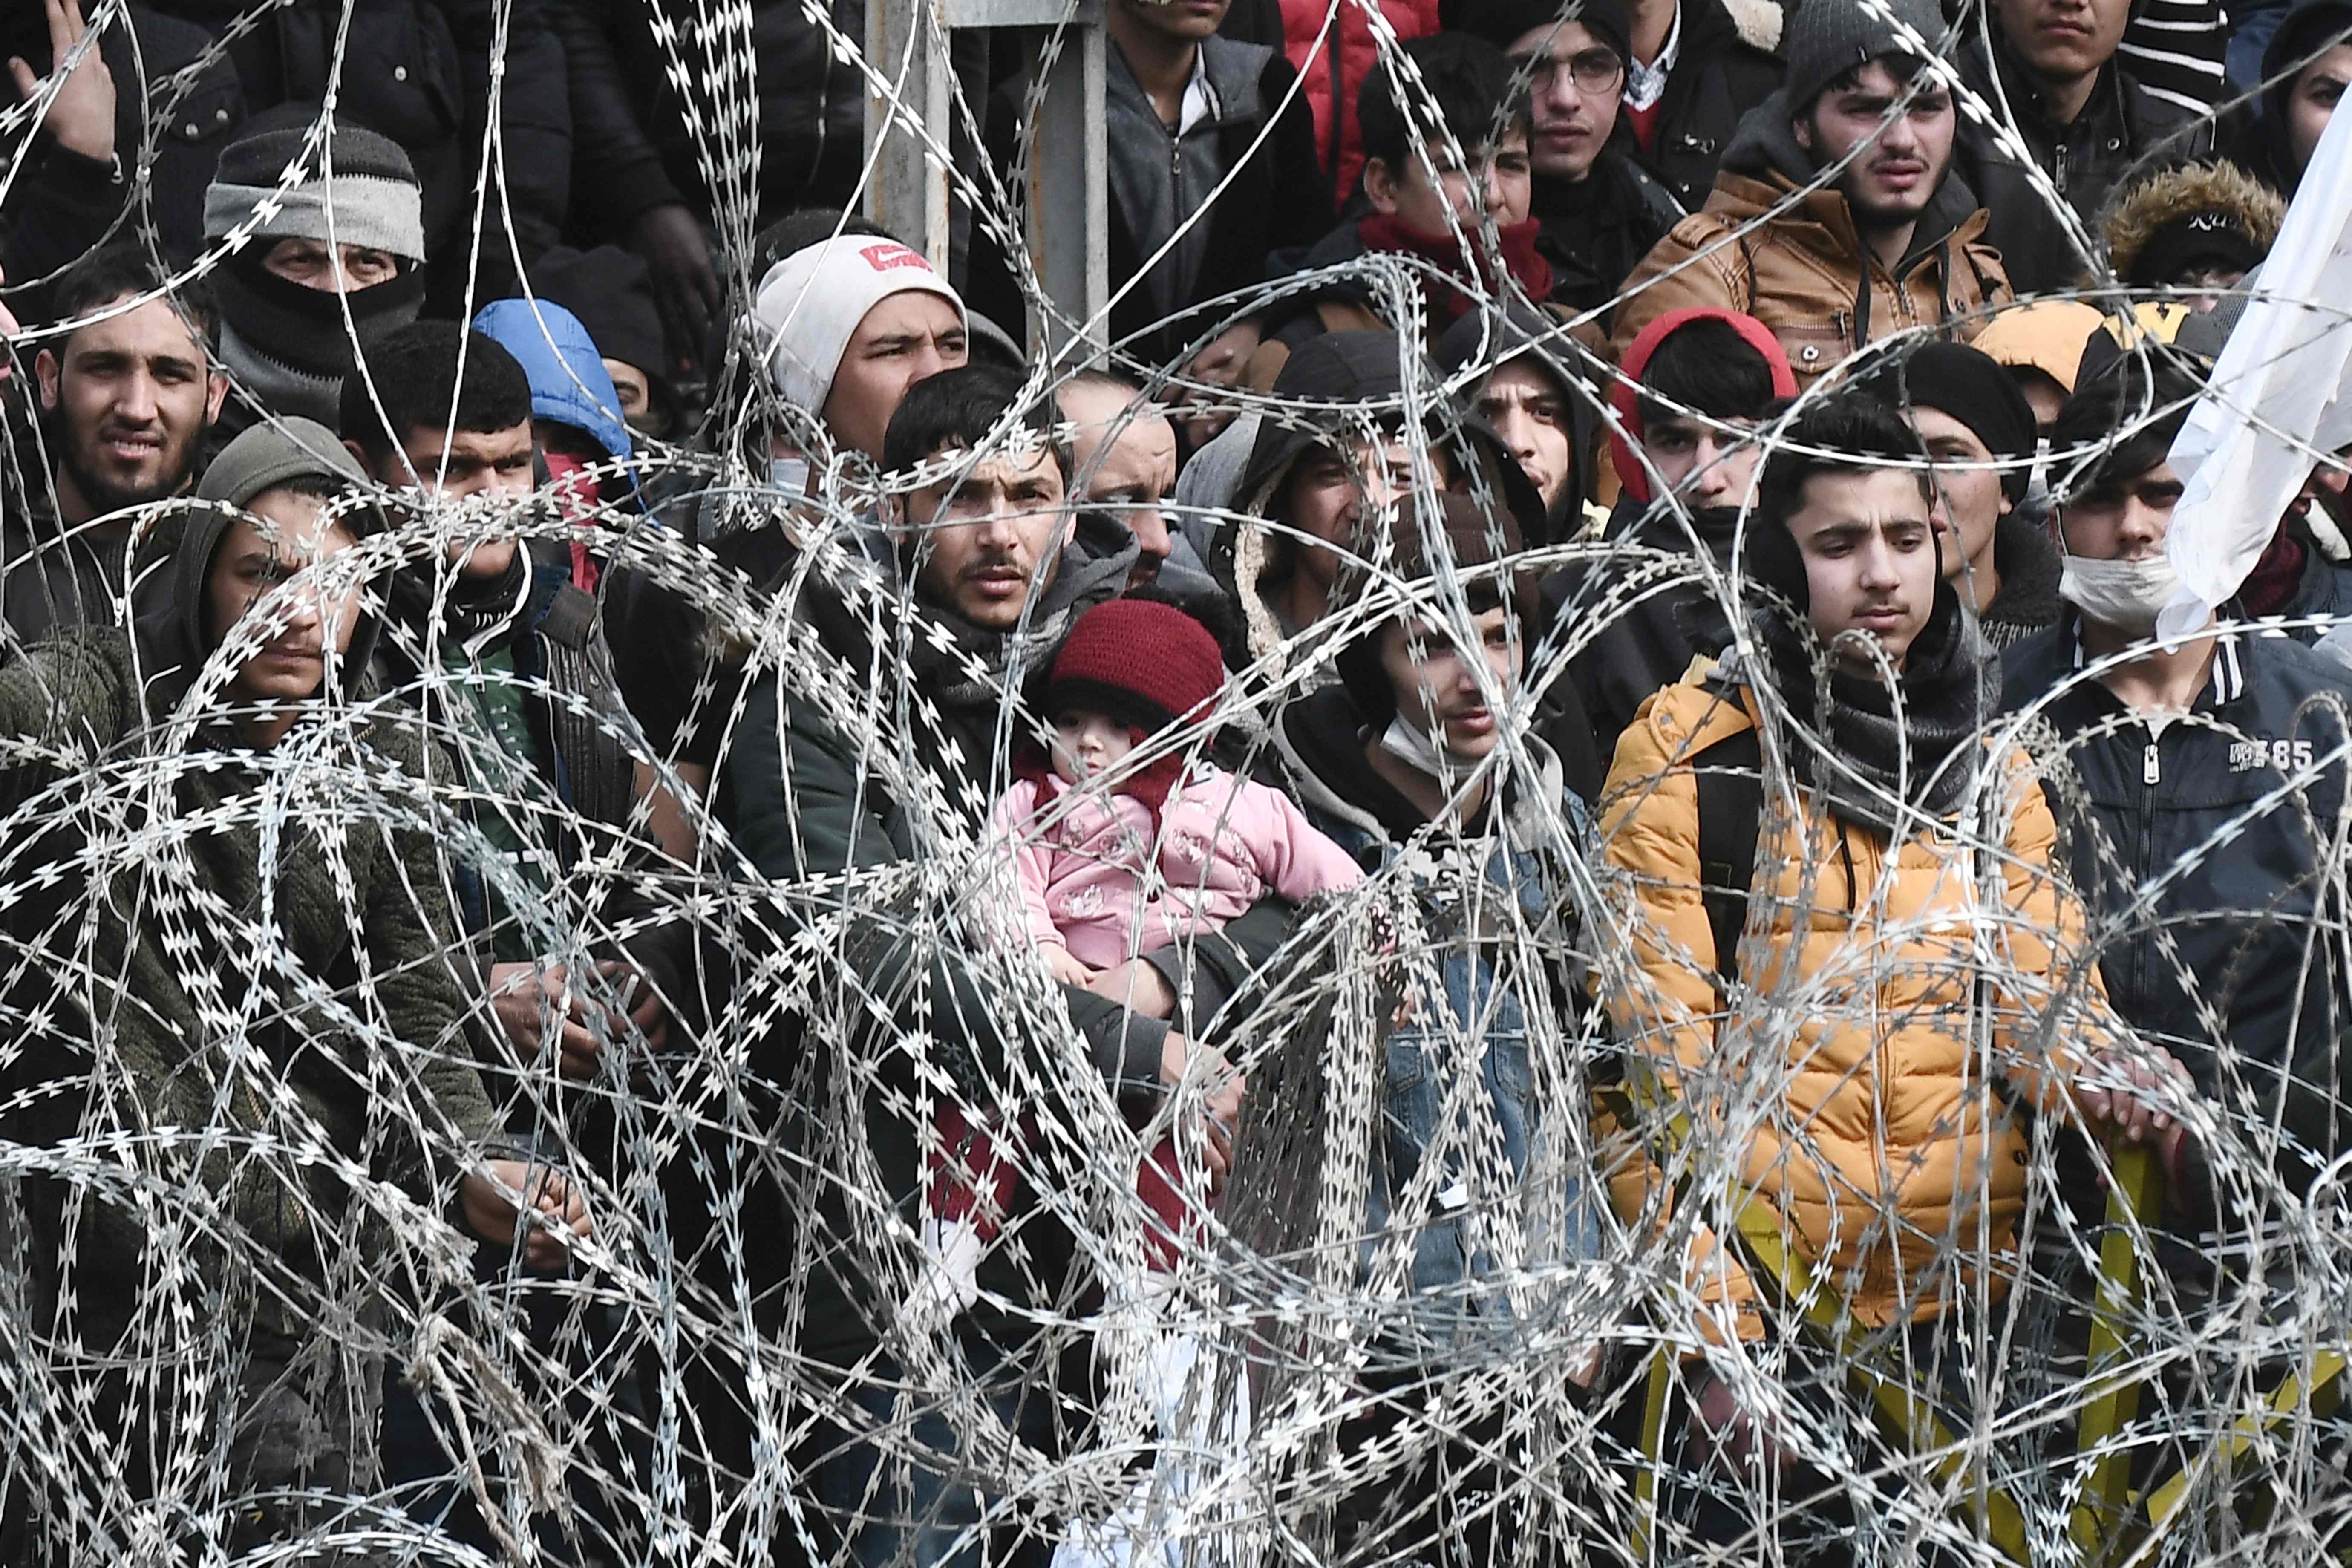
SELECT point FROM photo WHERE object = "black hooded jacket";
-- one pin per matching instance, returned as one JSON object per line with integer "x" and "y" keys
{"x": 1719, "y": 75}
{"x": 1339, "y": 380}
{"x": 2261, "y": 148}
{"x": 2122, "y": 134}
{"x": 1480, "y": 341}
{"x": 1640, "y": 625}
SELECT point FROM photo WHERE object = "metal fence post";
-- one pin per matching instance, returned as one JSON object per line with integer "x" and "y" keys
{"x": 906, "y": 41}
{"x": 1066, "y": 199}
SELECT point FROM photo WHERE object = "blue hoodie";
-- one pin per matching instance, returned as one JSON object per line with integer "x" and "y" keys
{"x": 568, "y": 381}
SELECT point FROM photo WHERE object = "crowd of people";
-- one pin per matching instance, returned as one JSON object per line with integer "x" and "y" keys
{"x": 1613, "y": 556}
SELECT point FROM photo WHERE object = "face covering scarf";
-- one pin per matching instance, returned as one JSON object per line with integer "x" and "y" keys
{"x": 579, "y": 498}
{"x": 1413, "y": 747}
{"x": 2123, "y": 595}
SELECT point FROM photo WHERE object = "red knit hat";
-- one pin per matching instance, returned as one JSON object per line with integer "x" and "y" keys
{"x": 1138, "y": 661}
{"x": 1143, "y": 664}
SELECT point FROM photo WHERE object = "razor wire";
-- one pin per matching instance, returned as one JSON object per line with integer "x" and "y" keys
{"x": 234, "y": 1269}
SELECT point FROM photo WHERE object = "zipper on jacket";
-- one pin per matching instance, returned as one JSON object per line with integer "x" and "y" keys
{"x": 1882, "y": 1049}
{"x": 2151, "y": 773}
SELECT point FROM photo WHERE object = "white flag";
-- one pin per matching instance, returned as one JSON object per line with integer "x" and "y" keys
{"x": 2277, "y": 394}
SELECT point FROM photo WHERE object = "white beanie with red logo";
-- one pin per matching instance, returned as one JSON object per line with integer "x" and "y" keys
{"x": 810, "y": 304}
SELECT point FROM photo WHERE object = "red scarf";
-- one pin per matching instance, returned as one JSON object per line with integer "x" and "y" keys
{"x": 2269, "y": 587}
{"x": 579, "y": 499}
{"x": 1448, "y": 304}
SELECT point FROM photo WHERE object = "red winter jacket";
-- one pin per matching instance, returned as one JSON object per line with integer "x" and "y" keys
{"x": 1342, "y": 54}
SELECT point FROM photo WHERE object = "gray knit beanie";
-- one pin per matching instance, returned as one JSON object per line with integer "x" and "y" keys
{"x": 373, "y": 190}
{"x": 273, "y": 452}
{"x": 1824, "y": 39}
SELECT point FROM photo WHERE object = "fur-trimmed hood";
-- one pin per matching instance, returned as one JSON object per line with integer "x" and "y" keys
{"x": 1760, "y": 22}
{"x": 2146, "y": 208}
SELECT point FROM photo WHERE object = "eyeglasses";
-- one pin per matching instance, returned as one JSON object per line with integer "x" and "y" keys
{"x": 1596, "y": 70}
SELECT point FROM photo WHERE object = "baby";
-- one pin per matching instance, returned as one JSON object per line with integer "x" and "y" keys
{"x": 1108, "y": 871}
{"x": 1177, "y": 846}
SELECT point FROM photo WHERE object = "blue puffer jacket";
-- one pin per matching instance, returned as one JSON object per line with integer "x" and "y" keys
{"x": 1494, "y": 944}
{"x": 569, "y": 383}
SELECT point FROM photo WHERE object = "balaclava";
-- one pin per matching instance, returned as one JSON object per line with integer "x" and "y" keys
{"x": 284, "y": 342}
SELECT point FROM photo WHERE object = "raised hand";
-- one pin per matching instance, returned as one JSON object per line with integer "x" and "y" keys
{"x": 81, "y": 115}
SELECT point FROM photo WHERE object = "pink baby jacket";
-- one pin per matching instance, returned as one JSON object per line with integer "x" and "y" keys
{"x": 1082, "y": 860}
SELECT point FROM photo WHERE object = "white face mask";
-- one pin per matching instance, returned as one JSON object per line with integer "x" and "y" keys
{"x": 789, "y": 475}
{"x": 2124, "y": 595}
{"x": 1414, "y": 747}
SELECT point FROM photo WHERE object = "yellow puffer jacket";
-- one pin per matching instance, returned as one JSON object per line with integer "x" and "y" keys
{"x": 1846, "y": 1066}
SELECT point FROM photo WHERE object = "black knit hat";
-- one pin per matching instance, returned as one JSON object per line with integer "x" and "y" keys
{"x": 1503, "y": 23}
{"x": 1974, "y": 389}
{"x": 1824, "y": 39}
{"x": 2207, "y": 239}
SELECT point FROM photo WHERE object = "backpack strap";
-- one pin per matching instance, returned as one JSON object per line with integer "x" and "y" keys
{"x": 1730, "y": 817}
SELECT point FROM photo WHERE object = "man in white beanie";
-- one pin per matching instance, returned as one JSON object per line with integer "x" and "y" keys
{"x": 848, "y": 325}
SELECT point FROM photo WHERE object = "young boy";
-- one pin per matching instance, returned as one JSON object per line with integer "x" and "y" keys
{"x": 1697, "y": 385}
{"x": 1835, "y": 1015}
{"x": 1426, "y": 201}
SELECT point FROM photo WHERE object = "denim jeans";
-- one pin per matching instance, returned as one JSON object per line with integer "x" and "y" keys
{"x": 902, "y": 1487}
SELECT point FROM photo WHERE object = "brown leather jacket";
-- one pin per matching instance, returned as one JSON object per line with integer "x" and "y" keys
{"x": 1796, "y": 262}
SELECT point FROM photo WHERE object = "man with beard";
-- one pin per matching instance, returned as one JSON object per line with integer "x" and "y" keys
{"x": 930, "y": 651}
{"x": 125, "y": 401}
{"x": 504, "y": 654}
{"x": 1837, "y": 219}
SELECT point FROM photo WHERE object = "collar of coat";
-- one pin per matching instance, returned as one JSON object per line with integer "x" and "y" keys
{"x": 1764, "y": 166}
